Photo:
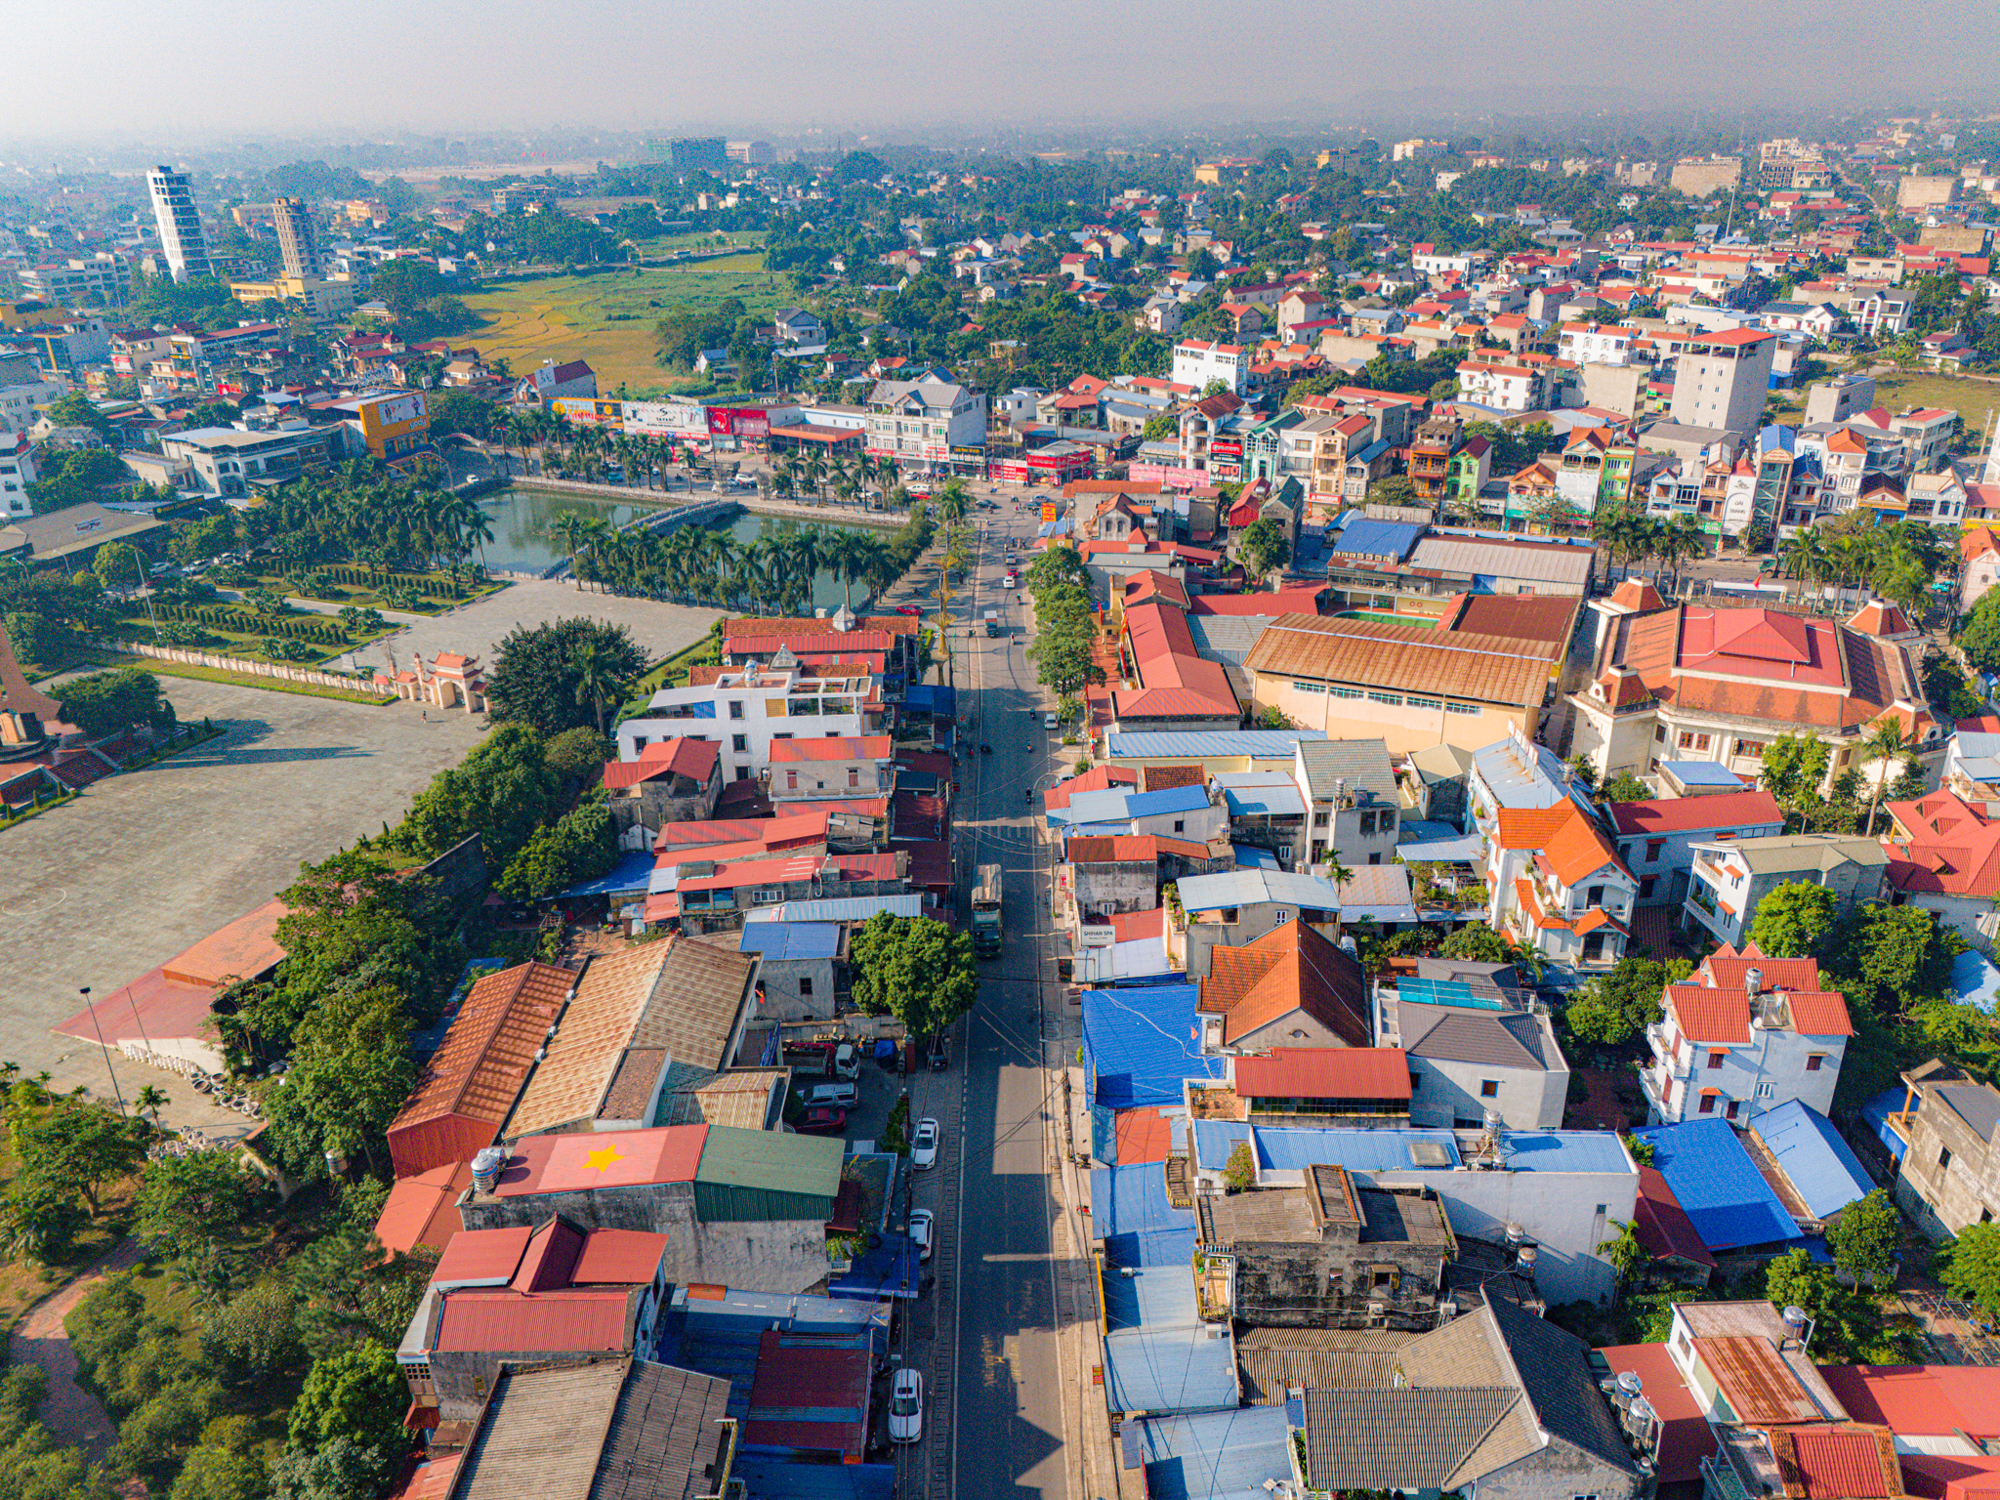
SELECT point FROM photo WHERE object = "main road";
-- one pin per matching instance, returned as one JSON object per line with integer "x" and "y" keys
{"x": 1009, "y": 1438}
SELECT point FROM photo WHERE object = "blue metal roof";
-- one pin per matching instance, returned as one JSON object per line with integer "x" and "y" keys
{"x": 1249, "y": 857}
{"x": 1877, "y": 1111}
{"x": 1130, "y": 1200}
{"x": 1370, "y": 538}
{"x": 1974, "y": 981}
{"x": 1222, "y": 1455}
{"x": 1193, "y": 744}
{"x": 1820, "y": 1166}
{"x": 929, "y": 697}
{"x": 1565, "y": 1151}
{"x": 1215, "y": 1139}
{"x": 1170, "y": 799}
{"x": 771, "y": 1478}
{"x": 839, "y": 909}
{"x": 779, "y": 941}
{"x": 1261, "y": 794}
{"x": 1141, "y": 1042}
{"x": 1725, "y": 1196}
{"x": 1701, "y": 773}
{"x": 1515, "y": 784}
{"x": 1158, "y": 1355}
{"x": 628, "y": 877}
{"x": 1288, "y": 1149}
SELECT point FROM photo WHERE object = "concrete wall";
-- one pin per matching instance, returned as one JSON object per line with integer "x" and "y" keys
{"x": 1127, "y": 887}
{"x": 1332, "y": 1285}
{"x": 1402, "y": 728}
{"x": 786, "y": 983}
{"x": 1558, "y": 1210}
{"x": 1449, "y": 1094}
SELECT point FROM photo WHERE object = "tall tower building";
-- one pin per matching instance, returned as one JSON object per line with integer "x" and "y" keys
{"x": 181, "y": 239}
{"x": 298, "y": 238}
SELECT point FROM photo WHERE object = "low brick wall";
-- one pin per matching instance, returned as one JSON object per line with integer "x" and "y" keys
{"x": 248, "y": 668}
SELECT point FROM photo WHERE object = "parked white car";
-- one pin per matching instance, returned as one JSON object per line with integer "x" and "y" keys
{"x": 924, "y": 1145}
{"x": 1050, "y": 721}
{"x": 922, "y": 1223}
{"x": 906, "y": 1407}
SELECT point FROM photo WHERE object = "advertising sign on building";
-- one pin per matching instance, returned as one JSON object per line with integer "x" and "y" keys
{"x": 1048, "y": 511}
{"x": 665, "y": 418}
{"x": 739, "y": 421}
{"x": 589, "y": 411}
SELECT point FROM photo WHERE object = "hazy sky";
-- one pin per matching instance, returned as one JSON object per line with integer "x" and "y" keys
{"x": 242, "y": 68}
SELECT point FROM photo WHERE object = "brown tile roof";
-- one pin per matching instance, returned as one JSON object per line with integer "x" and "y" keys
{"x": 489, "y": 1048}
{"x": 1407, "y": 658}
{"x": 1291, "y": 968}
{"x": 1162, "y": 778}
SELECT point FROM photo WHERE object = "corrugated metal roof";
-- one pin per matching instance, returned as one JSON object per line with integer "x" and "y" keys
{"x": 1365, "y": 653}
{"x": 1261, "y": 794}
{"x": 1821, "y": 1168}
{"x": 774, "y": 1161}
{"x": 1227, "y": 888}
{"x": 1161, "y": 744}
{"x": 1171, "y": 799}
{"x": 1369, "y": 538}
{"x": 782, "y": 941}
{"x": 839, "y": 909}
{"x": 1724, "y": 1195}
{"x": 504, "y": 1321}
{"x": 1224, "y": 1455}
{"x": 601, "y": 1159}
{"x": 1325, "y": 1073}
{"x": 1361, "y": 766}
{"x": 1466, "y": 557}
{"x": 1755, "y": 1381}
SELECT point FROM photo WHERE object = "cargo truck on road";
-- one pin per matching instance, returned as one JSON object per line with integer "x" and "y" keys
{"x": 986, "y": 933}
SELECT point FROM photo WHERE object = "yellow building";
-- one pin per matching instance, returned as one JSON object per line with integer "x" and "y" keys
{"x": 395, "y": 425}
{"x": 322, "y": 299}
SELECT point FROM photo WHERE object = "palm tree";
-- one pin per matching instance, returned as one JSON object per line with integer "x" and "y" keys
{"x": 1626, "y": 1253}
{"x": 475, "y": 528}
{"x": 570, "y": 529}
{"x": 596, "y": 678}
{"x": 1885, "y": 742}
{"x": 149, "y": 1101}
{"x": 1339, "y": 874}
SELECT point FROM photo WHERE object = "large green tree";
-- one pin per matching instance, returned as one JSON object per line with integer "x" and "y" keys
{"x": 1971, "y": 1267}
{"x": 188, "y": 1203}
{"x": 1794, "y": 919}
{"x": 1865, "y": 1238}
{"x": 537, "y": 677}
{"x": 105, "y": 703}
{"x": 350, "y": 1072}
{"x": 358, "y": 1394}
{"x": 503, "y": 791}
{"x": 581, "y": 845}
{"x": 1612, "y": 1009}
{"x": 1264, "y": 547}
{"x": 916, "y": 969}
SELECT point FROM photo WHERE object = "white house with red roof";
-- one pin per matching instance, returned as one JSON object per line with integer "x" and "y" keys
{"x": 1558, "y": 885}
{"x": 743, "y": 710}
{"x": 671, "y": 781}
{"x": 1944, "y": 856}
{"x": 849, "y": 766}
{"x": 1744, "y": 1034}
{"x": 1657, "y": 838}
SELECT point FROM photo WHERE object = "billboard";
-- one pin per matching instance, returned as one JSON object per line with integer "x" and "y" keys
{"x": 589, "y": 411}
{"x": 665, "y": 418}
{"x": 1048, "y": 511}
{"x": 393, "y": 411}
{"x": 752, "y": 422}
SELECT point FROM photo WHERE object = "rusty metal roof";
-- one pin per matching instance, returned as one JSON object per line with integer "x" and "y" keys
{"x": 1759, "y": 1387}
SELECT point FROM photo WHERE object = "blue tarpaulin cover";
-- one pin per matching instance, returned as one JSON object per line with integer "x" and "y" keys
{"x": 1140, "y": 1043}
{"x": 1724, "y": 1195}
{"x": 1813, "y": 1157}
{"x": 629, "y": 876}
{"x": 1877, "y": 1111}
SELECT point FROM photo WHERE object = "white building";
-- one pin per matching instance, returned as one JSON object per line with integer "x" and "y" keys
{"x": 921, "y": 421}
{"x": 746, "y": 708}
{"x": 1721, "y": 380}
{"x": 1197, "y": 362}
{"x": 1595, "y": 343}
{"x": 179, "y": 223}
{"x": 1477, "y": 1045}
{"x": 1744, "y": 1034}
{"x": 18, "y": 403}
{"x": 1505, "y": 387}
{"x": 1558, "y": 886}
{"x": 17, "y": 472}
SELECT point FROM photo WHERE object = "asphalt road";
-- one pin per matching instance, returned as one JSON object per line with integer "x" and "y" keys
{"x": 1009, "y": 1430}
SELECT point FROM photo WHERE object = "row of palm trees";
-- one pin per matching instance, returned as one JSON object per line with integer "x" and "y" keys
{"x": 586, "y": 451}
{"x": 697, "y": 564}
{"x": 1897, "y": 563}
{"x": 812, "y": 472}
{"x": 1630, "y": 538}
{"x": 363, "y": 511}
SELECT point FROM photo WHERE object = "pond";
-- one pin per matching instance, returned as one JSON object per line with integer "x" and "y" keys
{"x": 524, "y": 538}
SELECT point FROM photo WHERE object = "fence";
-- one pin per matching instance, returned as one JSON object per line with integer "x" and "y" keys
{"x": 246, "y": 668}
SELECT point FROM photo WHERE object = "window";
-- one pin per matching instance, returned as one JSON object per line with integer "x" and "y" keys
{"x": 1461, "y": 708}
{"x": 1730, "y": 1113}
{"x": 1692, "y": 741}
{"x": 1767, "y": 1090}
{"x": 1594, "y": 896}
{"x": 1489, "y": 1088}
{"x": 739, "y": 743}
{"x": 783, "y": 734}
{"x": 853, "y": 777}
{"x": 1715, "y": 1058}
{"x": 735, "y": 708}
{"x": 1433, "y": 704}
{"x": 1815, "y": 1062}
{"x": 805, "y": 987}
{"x": 1653, "y": 848}
{"x": 1280, "y": 917}
{"x": 1646, "y": 884}
{"x": 1310, "y": 687}
{"x": 742, "y": 773}
{"x": 1708, "y": 1104}
{"x": 1394, "y": 700}
{"x": 1944, "y": 1157}
{"x": 1343, "y": 692}
{"x": 1660, "y": 733}
{"x": 1416, "y": 1079}
{"x": 791, "y": 781}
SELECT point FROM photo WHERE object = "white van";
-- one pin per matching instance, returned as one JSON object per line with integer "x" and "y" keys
{"x": 846, "y": 1061}
{"x": 839, "y": 1095}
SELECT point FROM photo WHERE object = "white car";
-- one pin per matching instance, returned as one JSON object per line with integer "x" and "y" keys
{"x": 906, "y": 1407}
{"x": 924, "y": 1145}
{"x": 922, "y": 1221}
{"x": 1050, "y": 721}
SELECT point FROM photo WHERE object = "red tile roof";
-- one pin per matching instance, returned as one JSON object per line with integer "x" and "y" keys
{"x": 1953, "y": 848}
{"x": 1727, "y": 810}
{"x": 1128, "y": 848}
{"x": 605, "y": 1159}
{"x": 1143, "y": 1135}
{"x": 1324, "y": 1073}
{"x": 676, "y": 757}
{"x": 1291, "y": 968}
{"x": 1295, "y": 601}
{"x": 1137, "y": 926}
{"x": 477, "y": 1256}
{"x": 1571, "y": 844}
{"x": 1717, "y": 1010}
{"x": 1096, "y": 779}
{"x": 1175, "y": 680}
{"x": 1825, "y": 1463}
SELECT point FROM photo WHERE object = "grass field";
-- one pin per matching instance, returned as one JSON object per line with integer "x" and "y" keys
{"x": 608, "y": 318}
{"x": 1973, "y": 400}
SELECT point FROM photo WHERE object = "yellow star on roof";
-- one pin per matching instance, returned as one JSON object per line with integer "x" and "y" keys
{"x": 602, "y": 1158}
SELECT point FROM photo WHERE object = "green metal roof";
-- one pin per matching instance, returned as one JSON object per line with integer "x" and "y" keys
{"x": 771, "y": 1160}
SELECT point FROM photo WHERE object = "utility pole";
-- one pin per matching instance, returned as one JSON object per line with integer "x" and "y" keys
{"x": 97, "y": 1021}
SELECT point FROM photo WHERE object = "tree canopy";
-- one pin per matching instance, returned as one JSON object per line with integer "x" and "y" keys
{"x": 104, "y": 703}
{"x": 1794, "y": 919}
{"x": 916, "y": 969}
{"x": 537, "y": 676}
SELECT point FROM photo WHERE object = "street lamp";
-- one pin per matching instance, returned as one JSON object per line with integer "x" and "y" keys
{"x": 139, "y": 567}
{"x": 98, "y": 1023}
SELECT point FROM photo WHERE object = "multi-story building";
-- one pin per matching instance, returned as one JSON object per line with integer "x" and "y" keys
{"x": 1694, "y": 683}
{"x": 1948, "y": 1176}
{"x": 1721, "y": 380}
{"x": 394, "y": 426}
{"x": 1503, "y": 384}
{"x": 698, "y": 154}
{"x": 1198, "y": 361}
{"x": 1595, "y": 343}
{"x": 1430, "y": 460}
{"x": 921, "y": 421}
{"x": 231, "y": 463}
{"x": 1478, "y": 1045}
{"x": 1744, "y": 1034}
{"x": 1698, "y": 177}
{"x": 100, "y": 280}
{"x": 1730, "y": 876}
{"x": 1557, "y": 884}
{"x": 1595, "y": 471}
{"x": 298, "y": 238}
{"x": 1657, "y": 838}
{"x": 182, "y": 241}
{"x": 749, "y": 707}
{"x": 1944, "y": 856}
{"x": 17, "y": 472}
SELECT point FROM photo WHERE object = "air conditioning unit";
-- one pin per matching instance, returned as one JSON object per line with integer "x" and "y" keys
{"x": 1378, "y": 1309}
